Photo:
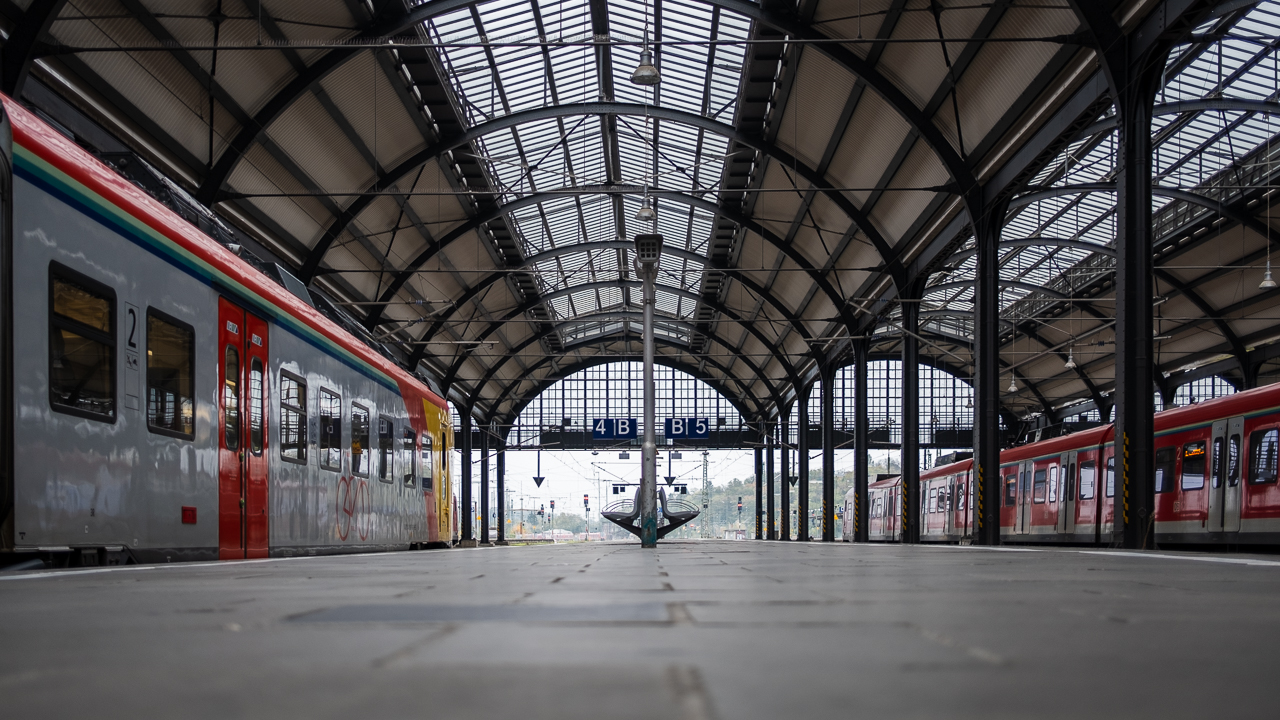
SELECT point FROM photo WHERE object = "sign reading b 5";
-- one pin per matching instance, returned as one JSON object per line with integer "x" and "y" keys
{"x": 691, "y": 428}
{"x": 614, "y": 428}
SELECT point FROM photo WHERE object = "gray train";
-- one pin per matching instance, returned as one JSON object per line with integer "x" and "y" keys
{"x": 165, "y": 400}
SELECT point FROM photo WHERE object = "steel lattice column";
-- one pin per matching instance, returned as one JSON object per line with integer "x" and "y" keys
{"x": 1135, "y": 406}
{"x": 760, "y": 485}
{"x": 484, "y": 485}
{"x": 784, "y": 433}
{"x": 802, "y": 466}
{"x": 985, "y": 508}
{"x": 828, "y": 394}
{"x": 910, "y": 422}
{"x": 467, "y": 513}
{"x": 501, "y": 485}
{"x": 771, "y": 444}
{"x": 861, "y": 438}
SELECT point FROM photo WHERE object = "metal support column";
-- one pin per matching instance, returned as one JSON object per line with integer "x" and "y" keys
{"x": 484, "y": 485}
{"x": 784, "y": 435}
{"x": 802, "y": 466}
{"x": 771, "y": 444}
{"x": 468, "y": 515}
{"x": 828, "y": 395}
{"x": 501, "y": 448}
{"x": 760, "y": 486}
{"x": 1135, "y": 428}
{"x": 910, "y": 423}
{"x": 861, "y": 438}
{"x": 985, "y": 508}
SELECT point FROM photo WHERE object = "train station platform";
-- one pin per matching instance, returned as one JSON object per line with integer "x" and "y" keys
{"x": 693, "y": 630}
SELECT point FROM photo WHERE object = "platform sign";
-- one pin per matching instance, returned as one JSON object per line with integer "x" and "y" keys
{"x": 688, "y": 428}
{"x": 614, "y": 428}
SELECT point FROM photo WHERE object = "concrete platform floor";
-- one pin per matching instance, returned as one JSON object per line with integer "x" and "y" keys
{"x": 691, "y": 631}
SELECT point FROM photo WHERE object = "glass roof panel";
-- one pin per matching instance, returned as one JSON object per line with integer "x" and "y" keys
{"x": 553, "y": 155}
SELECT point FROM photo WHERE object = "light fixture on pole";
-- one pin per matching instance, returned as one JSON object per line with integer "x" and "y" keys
{"x": 646, "y": 213}
{"x": 648, "y": 251}
{"x": 1071, "y": 359}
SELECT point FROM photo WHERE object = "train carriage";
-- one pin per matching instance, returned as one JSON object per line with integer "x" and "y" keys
{"x": 1216, "y": 481}
{"x": 165, "y": 400}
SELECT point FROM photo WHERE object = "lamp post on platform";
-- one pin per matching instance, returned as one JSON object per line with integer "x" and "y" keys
{"x": 648, "y": 250}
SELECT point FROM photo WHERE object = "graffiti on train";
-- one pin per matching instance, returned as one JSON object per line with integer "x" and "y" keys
{"x": 353, "y": 507}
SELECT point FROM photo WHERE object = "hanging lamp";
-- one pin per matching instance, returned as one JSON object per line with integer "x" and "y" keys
{"x": 646, "y": 74}
{"x": 1013, "y": 384}
{"x": 1071, "y": 359}
{"x": 646, "y": 213}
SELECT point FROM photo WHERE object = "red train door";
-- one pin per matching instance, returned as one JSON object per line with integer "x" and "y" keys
{"x": 1226, "y": 460}
{"x": 242, "y": 433}
{"x": 1023, "y": 524}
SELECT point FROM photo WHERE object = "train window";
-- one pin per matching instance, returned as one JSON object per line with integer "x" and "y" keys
{"x": 231, "y": 399}
{"x": 1053, "y": 483}
{"x": 961, "y": 495}
{"x": 330, "y": 430}
{"x": 1068, "y": 480}
{"x": 1262, "y": 465}
{"x": 257, "y": 396}
{"x": 1215, "y": 465}
{"x": 82, "y": 346}
{"x": 1039, "y": 488}
{"x": 1111, "y": 476}
{"x": 170, "y": 372}
{"x": 933, "y": 500}
{"x": 293, "y": 418}
{"x": 1193, "y": 466}
{"x": 428, "y": 464}
{"x": 1165, "y": 458}
{"x": 1011, "y": 490}
{"x": 1086, "y": 480}
{"x": 361, "y": 451}
{"x": 409, "y": 462}
{"x": 386, "y": 449}
{"x": 1233, "y": 461}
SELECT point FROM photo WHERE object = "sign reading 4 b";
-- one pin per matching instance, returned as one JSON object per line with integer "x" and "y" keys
{"x": 691, "y": 428}
{"x": 614, "y": 428}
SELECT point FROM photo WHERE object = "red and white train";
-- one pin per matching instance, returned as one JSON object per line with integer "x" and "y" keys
{"x": 165, "y": 400}
{"x": 1215, "y": 479}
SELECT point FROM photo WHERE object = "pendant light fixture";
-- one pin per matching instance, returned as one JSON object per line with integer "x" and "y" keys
{"x": 1013, "y": 383}
{"x": 1071, "y": 359}
{"x": 646, "y": 213}
{"x": 646, "y": 74}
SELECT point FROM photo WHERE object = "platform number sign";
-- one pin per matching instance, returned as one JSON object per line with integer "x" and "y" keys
{"x": 614, "y": 428}
{"x": 689, "y": 428}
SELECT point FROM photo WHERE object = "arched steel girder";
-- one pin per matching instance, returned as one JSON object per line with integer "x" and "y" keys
{"x": 451, "y": 374}
{"x": 1183, "y": 195}
{"x": 958, "y": 284}
{"x": 632, "y": 316}
{"x": 1194, "y": 106}
{"x": 471, "y": 224}
{"x": 312, "y": 264}
{"x": 477, "y": 288}
{"x": 522, "y": 401}
{"x": 1043, "y": 242}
